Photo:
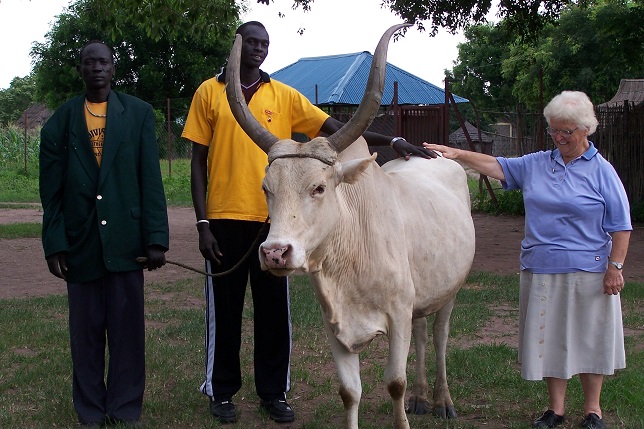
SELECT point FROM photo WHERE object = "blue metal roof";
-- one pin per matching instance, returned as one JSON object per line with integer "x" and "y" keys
{"x": 341, "y": 79}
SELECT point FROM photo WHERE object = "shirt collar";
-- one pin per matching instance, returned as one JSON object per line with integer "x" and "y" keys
{"x": 589, "y": 154}
{"x": 221, "y": 76}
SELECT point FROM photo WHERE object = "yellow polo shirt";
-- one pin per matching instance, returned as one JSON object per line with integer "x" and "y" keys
{"x": 236, "y": 165}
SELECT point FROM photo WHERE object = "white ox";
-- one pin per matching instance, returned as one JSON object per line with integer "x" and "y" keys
{"x": 383, "y": 247}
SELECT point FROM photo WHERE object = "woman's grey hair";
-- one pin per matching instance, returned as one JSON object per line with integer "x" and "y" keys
{"x": 574, "y": 107}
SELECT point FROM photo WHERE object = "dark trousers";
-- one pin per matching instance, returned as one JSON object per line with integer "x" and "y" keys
{"x": 108, "y": 310}
{"x": 224, "y": 305}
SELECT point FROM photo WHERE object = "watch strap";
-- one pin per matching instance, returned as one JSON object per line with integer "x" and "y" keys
{"x": 617, "y": 265}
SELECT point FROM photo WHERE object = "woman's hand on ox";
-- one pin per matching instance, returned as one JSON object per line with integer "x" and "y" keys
{"x": 445, "y": 151}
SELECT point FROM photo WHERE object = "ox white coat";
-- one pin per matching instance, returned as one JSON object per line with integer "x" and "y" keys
{"x": 383, "y": 246}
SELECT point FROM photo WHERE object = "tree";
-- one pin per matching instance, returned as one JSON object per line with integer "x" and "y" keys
{"x": 588, "y": 49}
{"x": 16, "y": 99}
{"x": 612, "y": 48}
{"x": 191, "y": 19}
{"x": 170, "y": 66}
{"x": 478, "y": 72}
{"x": 526, "y": 17}
{"x": 161, "y": 18}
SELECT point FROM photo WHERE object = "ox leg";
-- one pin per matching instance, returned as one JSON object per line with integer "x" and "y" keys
{"x": 396, "y": 371}
{"x": 443, "y": 405}
{"x": 348, "y": 367}
{"x": 418, "y": 403}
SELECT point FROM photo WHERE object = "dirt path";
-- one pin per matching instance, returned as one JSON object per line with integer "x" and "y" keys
{"x": 24, "y": 273}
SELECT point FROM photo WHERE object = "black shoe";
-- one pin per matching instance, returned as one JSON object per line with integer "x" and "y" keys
{"x": 592, "y": 421}
{"x": 278, "y": 410}
{"x": 223, "y": 410}
{"x": 548, "y": 420}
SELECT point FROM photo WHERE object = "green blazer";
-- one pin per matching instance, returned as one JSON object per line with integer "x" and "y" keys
{"x": 103, "y": 218}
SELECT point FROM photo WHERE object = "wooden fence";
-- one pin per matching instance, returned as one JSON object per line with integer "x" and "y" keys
{"x": 620, "y": 138}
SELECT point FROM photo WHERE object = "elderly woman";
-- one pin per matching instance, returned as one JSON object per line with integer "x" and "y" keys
{"x": 577, "y": 229}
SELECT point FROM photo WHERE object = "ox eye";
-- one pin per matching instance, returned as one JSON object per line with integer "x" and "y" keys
{"x": 319, "y": 190}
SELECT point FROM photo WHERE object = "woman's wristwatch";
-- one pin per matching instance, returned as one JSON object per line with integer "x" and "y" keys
{"x": 617, "y": 265}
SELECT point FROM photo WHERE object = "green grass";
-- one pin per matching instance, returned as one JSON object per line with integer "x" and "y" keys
{"x": 176, "y": 182}
{"x": 18, "y": 186}
{"x": 35, "y": 384}
{"x": 21, "y": 230}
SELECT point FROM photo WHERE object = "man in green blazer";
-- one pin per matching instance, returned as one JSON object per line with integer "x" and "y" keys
{"x": 104, "y": 206}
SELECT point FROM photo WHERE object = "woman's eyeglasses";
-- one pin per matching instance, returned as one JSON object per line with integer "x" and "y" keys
{"x": 564, "y": 133}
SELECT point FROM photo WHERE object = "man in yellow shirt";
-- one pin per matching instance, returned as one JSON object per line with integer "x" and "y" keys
{"x": 227, "y": 170}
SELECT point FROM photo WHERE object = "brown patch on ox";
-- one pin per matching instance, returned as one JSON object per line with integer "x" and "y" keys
{"x": 347, "y": 397}
{"x": 397, "y": 388}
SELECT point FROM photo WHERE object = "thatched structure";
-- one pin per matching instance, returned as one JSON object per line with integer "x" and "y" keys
{"x": 630, "y": 91}
{"x": 34, "y": 117}
{"x": 482, "y": 144}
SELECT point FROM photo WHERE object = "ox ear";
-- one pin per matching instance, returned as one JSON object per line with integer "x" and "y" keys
{"x": 350, "y": 171}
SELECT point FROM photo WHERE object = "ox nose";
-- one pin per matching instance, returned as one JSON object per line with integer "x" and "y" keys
{"x": 276, "y": 256}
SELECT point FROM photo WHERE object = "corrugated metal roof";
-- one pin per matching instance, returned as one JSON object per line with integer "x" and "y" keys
{"x": 341, "y": 79}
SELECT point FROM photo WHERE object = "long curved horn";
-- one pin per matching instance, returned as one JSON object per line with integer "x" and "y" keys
{"x": 260, "y": 135}
{"x": 370, "y": 103}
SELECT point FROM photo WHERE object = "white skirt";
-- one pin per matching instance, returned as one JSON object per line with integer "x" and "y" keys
{"x": 567, "y": 326}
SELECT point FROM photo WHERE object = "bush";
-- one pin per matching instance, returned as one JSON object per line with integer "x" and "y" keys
{"x": 508, "y": 202}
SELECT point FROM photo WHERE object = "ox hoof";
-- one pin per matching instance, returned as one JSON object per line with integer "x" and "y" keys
{"x": 445, "y": 412}
{"x": 418, "y": 406}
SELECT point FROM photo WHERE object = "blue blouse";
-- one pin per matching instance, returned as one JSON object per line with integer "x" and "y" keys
{"x": 570, "y": 209}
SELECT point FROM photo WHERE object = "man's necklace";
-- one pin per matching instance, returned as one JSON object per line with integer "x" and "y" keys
{"x": 92, "y": 113}
{"x": 251, "y": 85}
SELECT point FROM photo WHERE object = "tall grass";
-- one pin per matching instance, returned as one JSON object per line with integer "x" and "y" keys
{"x": 14, "y": 151}
{"x": 18, "y": 183}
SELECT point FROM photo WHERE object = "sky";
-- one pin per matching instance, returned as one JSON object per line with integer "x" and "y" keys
{"x": 332, "y": 27}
